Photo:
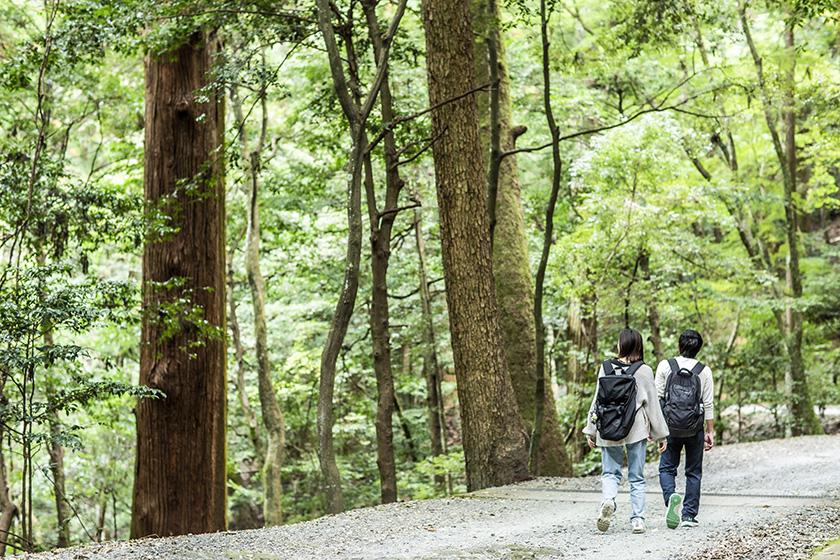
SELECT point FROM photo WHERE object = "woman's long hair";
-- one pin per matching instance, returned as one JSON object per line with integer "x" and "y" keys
{"x": 630, "y": 346}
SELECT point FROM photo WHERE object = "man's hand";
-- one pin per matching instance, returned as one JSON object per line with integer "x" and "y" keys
{"x": 709, "y": 441}
{"x": 590, "y": 442}
{"x": 663, "y": 445}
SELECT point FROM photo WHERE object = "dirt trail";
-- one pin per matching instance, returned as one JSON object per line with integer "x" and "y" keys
{"x": 773, "y": 499}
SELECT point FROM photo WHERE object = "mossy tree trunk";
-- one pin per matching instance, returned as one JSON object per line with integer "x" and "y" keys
{"x": 272, "y": 415}
{"x": 515, "y": 289}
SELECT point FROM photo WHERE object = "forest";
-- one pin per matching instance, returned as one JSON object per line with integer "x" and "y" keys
{"x": 263, "y": 261}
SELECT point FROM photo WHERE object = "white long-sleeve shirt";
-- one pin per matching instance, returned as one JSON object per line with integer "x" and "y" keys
{"x": 707, "y": 385}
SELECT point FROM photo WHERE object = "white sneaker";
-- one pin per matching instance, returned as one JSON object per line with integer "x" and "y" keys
{"x": 605, "y": 515}
{"x": 639, "y": 525}
{"x": 689, "y": 522}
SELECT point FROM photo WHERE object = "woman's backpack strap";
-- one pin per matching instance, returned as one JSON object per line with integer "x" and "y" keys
{"x": 608, "y": 367}
{"x": 634, "y": 367}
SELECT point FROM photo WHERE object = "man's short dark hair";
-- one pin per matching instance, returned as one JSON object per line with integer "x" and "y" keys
{"x": 690, "y": 343}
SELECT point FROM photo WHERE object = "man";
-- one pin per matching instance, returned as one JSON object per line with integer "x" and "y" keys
{"x": 685, "y": 388}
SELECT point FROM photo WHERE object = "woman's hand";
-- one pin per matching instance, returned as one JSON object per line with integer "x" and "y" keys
{"x": 590, "y": 442}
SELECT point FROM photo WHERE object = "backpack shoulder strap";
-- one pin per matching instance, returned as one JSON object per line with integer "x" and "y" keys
{"x": 675, "y": 367}
{"x": 698, "y": 368}
{"x": 672, "y": 363}
{"x": 634, "y": 367}
{"x": 608, "y": 367}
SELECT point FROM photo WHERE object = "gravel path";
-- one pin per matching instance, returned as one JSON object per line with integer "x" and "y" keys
{"x": 772, "y": 499}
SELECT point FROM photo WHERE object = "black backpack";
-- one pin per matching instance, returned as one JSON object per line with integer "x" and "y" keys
{"x": 615, "y": 405}
{"x": 682, "y": 403}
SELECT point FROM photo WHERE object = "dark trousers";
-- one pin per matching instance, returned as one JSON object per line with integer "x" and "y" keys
{"x": 670, "y": 461}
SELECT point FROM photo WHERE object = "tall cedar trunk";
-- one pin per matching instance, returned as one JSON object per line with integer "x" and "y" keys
{"x": 431, "y": 367}
{"x": 652, "y": 309}
{"x": 272, "y": 416}
{"x": 179, "y": 482}
{"x": 511, "y": 264}
{"x": 494, "y": 437}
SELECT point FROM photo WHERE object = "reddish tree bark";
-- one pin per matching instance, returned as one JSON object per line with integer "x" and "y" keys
{"x": 179, "y": 484}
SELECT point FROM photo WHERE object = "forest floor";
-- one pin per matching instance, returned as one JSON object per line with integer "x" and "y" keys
{"x": 771, "y": 499}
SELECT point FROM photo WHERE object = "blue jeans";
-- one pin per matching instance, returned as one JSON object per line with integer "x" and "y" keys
{"x": 612, "y": 458}
{"x": 670, "y": 461}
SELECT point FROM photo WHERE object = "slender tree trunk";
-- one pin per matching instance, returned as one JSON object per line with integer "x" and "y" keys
{"x": 239, "y": 380}
{"x": 380, "y": 242}
{"x": 803, "y": 419}
{"x": 10, "y": 510}
{"x": 101, "y": 516}
{"x": 356, "y": 111}
{"x": 652, "y": 309}
{"x": 405, "y": 361}
{"x": 62, "y": 508}
{"x": 493, "y": 434}
{"x": 381, "y": 226}
{"x": 55, "y": 449}
{"x": 180, "y": 480}
{"x": 406, "y": 430}
{"x": 243, "y": 515}
{"x": 338, "y": 330}
{"x": 431, "y": 367}
{"x": 272, "y": 415}
{"x": 542, "y": 419}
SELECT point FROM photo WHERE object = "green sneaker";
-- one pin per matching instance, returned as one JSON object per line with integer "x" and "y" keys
{"x": 672, "y": 518}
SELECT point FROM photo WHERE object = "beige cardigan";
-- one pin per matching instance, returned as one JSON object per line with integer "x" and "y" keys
{"x": 649, "y": 419}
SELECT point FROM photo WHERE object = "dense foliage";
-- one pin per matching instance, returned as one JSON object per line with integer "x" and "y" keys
{"x": 654, "y": 100}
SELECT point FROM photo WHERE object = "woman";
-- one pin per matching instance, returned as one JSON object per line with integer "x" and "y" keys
{"x": 648, "y": 425}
